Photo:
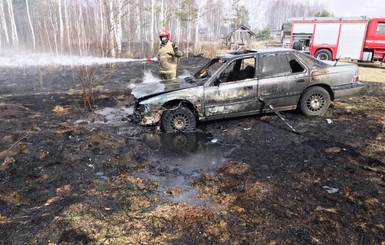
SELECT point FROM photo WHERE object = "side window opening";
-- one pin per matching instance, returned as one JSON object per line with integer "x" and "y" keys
{"x": 273, "y": 65}
{"x": 227, "y": 73}
{"x": 239, "y": 70}
{"x": 295, "y": 66}
{"x": 247, "y": 70}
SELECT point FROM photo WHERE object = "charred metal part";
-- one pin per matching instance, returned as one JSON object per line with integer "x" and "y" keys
{"x": 278, "y": 114}
{"x": 172, "y": 109}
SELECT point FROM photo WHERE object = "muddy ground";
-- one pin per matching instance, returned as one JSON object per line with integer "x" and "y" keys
{"x": 68, "y": 176}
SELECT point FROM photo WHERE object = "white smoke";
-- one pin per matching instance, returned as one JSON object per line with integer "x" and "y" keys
{"x": 185, "y": 74}
{"x": 150, "y": 84}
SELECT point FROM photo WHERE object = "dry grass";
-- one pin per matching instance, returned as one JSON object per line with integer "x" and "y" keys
{"x": 372, "y": 74}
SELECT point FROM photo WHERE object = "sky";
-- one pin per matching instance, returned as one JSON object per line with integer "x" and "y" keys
{"x": 345, "y": 8}
{"x": 339, "y": 8}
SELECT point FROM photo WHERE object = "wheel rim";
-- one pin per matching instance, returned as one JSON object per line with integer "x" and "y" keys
{"x": 179, "y": 122}
{"x": 316, "y": 102}
{"x": 323, "y": 56}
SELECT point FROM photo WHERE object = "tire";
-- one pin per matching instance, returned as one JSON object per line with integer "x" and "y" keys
{"x": 315, "y": 101}
{"x": 297, "y": 45}
{"x": 323, "y": 54}
{"x": 179, "y": 120}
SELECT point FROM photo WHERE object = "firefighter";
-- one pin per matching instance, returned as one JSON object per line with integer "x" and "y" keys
{"x": 168, "y": 55}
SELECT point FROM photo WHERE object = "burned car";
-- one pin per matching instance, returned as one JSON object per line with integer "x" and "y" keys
{"x": 244, "y": 83}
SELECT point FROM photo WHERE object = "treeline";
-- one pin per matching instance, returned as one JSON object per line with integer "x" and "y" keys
{"x": 129, "y": 28}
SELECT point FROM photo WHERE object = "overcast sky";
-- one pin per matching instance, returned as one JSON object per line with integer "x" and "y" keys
{"x": 342, "y": 8}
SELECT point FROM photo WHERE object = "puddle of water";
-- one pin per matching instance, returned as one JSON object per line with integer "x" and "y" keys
{"x": 128, "y": 131}
{"x": 114, "y": 116}
{"x": 181, "y": 159}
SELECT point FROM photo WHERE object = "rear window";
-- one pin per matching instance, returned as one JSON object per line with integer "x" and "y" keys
{"x": 308, "y": 58}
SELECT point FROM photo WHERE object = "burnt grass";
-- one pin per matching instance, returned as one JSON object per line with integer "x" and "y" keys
{"x": 67, "y": 176}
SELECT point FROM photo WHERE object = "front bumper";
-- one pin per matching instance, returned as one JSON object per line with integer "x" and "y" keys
{"x": 144, "y": 116}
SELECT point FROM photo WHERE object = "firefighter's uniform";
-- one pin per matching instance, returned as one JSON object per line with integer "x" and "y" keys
{"x": 168, "y": 56}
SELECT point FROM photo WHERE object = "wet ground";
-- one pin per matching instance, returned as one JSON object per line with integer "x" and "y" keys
{"x": 69, "y": 176}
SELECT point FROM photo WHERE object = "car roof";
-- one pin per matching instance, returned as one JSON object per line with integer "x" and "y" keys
{"x": 243, "y": 53}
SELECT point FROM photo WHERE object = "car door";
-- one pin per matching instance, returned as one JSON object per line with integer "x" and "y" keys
{"x": 281, "y": 79}
{"x": 233, "y": 91}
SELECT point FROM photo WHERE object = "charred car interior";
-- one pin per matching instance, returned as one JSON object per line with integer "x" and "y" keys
{"x": 244, "y": 83}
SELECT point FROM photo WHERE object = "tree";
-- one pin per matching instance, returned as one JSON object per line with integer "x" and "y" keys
{"x": 61, "y": 25}
{"x": 14, "y": 33}
{"x": 104, "y": 27}
{"x": 280, "y": 11}
{"x": 187, "y": 15}
{"x": 118, "y": 25}
{"x": 4, "y": 25}
{"x": 265, "y": 34}
{"x": 68, "y": 25}
{"x": 196, "y": 40}
{"x": 111, "y": 28}
{"x": 241, "y": 15}
{"x": 323, "y": 13}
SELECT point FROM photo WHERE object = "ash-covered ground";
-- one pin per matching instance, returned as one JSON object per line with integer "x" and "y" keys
{"x": 69, "y": 176}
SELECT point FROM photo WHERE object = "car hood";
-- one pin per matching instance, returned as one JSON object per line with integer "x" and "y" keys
{"x": 148, "y": 89}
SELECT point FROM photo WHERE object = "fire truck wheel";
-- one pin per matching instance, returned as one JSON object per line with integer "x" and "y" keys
{"x": 297, "y": 45}
{"x": 314, "y": 101}
{"x": 323, "y": 54}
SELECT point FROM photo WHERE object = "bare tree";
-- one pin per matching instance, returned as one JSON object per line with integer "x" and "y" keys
{"x": 281, "y": 10}
{"x": 102, "y": 24}
{"x": 61, "y": 25}
{"x": 82, "y": 38}
{"x": 162, "y": 14}
{"x": 118, "y": 25}
{"x": 30, "y": 25}
{"x": 105, "y": 26}
{"x": 15, "y": 36}
{"x": 196, "y": 40}
{"x": 152, "y": 25}
{"x": 111, "y": 28}
{"x": 4, "y": 22}
{"x": 68, "y": 25}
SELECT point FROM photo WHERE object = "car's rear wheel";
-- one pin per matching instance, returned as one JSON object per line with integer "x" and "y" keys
{"x": 181, "y": 119}
{"x": 323, "y": 54}
{"x": 314, "y": 101}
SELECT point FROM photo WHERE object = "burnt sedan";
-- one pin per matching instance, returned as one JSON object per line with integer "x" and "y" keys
{"x": 243, "y": 83}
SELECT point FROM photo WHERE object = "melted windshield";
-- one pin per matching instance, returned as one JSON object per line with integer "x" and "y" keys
{"x": 209, "y": 69}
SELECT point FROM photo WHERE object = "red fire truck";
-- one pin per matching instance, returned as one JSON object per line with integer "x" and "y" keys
{"x": 330, "y": 38}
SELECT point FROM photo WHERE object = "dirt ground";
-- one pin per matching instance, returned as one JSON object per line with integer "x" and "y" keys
{"x": 68, "y": 176}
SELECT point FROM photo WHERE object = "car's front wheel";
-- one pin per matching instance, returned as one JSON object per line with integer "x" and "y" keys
{"x": 314, "y": 101}
{"x": 181, "y": 119}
